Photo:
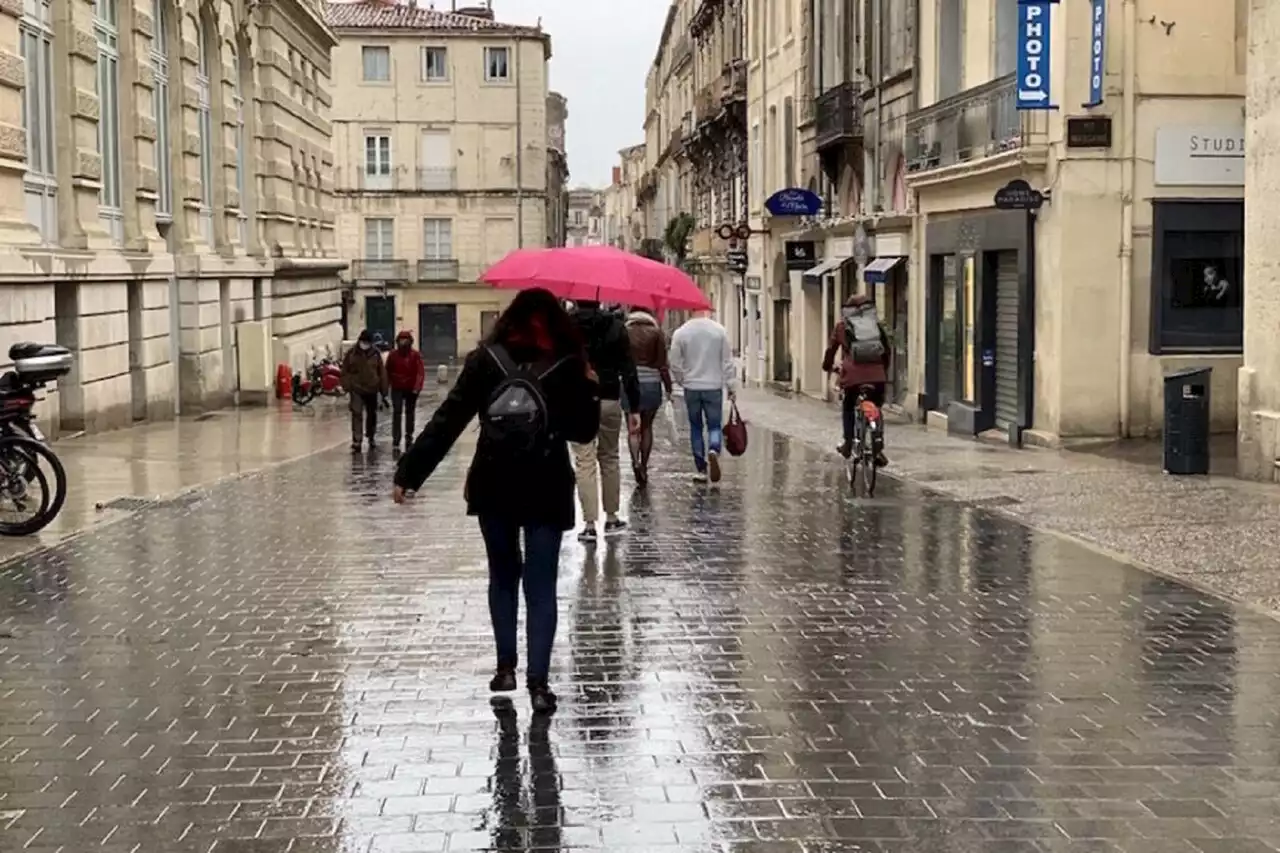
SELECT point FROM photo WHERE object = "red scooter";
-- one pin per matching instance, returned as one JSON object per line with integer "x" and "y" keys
{"x": 324, "y": 379}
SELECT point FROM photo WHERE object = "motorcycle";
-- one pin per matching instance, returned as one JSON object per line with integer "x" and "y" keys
{"x": 24, "y": 451}
{"x": 323, "y": 379}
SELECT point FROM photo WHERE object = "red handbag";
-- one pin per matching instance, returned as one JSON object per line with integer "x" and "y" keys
{"x": 735, "y": 432}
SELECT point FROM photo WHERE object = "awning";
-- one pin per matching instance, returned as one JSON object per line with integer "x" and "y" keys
{"x": 878, "y": 270}
{"x": 830, "y": 265}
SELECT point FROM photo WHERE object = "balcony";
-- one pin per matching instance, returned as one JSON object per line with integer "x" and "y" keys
{"x": 975, "y": 124}
{"x": 438, "y": 269}
{"x": 733, "y": 82}
{"x": 387, "y": 270}
{"x": 703, "y": 16}
{"x": 437, "y": 178}
{"x": 837, "y": 116}
{"x": 682, "y": 52}
{"x": 687, "y": 126}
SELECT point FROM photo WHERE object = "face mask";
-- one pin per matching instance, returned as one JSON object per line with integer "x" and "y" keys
{"x": 365, "y": 346}
{"x": 405, "y": 344}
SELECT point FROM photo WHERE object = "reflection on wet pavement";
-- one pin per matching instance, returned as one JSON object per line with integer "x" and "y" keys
{"x": 292, "y": 664}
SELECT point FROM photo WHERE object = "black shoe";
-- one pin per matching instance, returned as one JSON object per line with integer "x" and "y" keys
{"x": 615, "y": 527}
{"x": 541, "y": 698}
{"x": 372, "y": 445}
{"x": 642, "y": 476}
{"x": 504, "y": 679}
{"x": 881, "y": 460}
{"x": 356, "y": 446}
{"x": 845, "y": 449}
{"x": 589, "y": 536}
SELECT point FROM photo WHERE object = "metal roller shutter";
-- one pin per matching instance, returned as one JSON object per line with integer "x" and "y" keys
{"x": 1006, "y": 339}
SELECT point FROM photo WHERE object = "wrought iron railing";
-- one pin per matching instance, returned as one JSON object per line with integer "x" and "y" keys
{"x": 837, "y": 115}
{"x": 976, "y": 123}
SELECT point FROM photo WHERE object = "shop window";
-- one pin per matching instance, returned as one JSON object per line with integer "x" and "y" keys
{"x": 1197, "y": 277}
{"x": 947, "y": 294}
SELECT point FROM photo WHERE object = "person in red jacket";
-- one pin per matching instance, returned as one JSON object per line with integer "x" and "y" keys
{"x": 406, "y": 374}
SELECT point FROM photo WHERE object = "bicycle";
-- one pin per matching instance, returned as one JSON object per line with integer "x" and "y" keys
{"x": 866, "y": 426}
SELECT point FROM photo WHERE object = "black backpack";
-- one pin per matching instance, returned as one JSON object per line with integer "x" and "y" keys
{"x": 516, "y": 423}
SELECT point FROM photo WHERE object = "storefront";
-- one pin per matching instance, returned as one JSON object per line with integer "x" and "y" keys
{"x": 826, "y": 287}
{"x": 980, "y": 322}
{"x": 888, "y": 281}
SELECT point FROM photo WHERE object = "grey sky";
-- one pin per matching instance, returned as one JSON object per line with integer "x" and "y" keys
{"x": 601, "y": 51}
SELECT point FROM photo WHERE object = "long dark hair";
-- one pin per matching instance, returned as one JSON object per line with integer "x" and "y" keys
{"x": 535, "y": 318}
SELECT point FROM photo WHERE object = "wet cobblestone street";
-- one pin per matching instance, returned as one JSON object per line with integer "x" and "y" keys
{"x": 288, "y": 662}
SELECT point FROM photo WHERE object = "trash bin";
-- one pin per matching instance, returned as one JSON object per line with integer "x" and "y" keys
{"x": 1186, "y": 421}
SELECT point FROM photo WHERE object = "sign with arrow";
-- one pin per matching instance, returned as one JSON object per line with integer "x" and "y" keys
{"x": 1034, "y": 54}
{"x": 1097, "y": 52}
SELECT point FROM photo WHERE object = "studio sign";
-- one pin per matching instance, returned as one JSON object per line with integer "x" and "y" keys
{"x": 1215, "y": 145}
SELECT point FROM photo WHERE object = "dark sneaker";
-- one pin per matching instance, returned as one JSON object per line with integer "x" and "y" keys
{"x": 356, "y": 446}
{"x": 713, "y": 466}
{"x": 504, "y": 680}
{"x": 589, "y": 536}
{"x": 881, "y": 460}
{"x": 614, "y": 526}
{"x": 642, "y": 476}
{"x": 845, "y": 449}
{"x": 541, "y": 698}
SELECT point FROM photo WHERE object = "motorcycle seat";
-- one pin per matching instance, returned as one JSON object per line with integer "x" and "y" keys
{"x": 29, "y": 349}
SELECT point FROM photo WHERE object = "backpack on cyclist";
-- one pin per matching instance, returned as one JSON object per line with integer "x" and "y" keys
{"x": 516, "y": 423}
{"x": 862, "y": 333}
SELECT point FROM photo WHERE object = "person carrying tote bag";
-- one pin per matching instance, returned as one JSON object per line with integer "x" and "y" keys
{"x": 735, "y": 431}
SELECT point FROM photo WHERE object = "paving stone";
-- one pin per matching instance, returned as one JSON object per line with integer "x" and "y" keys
{"x": 292, "y": 664}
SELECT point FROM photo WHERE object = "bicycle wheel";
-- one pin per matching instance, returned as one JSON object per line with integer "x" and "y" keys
{"x": 20, "y": 469}
{"x": 868, "y": 454}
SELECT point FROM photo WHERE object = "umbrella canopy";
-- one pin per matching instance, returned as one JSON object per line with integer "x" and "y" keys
{"x": 598, "y": 274}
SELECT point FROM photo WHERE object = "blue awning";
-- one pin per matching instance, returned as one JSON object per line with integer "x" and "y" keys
{"x": 878, "y": 270}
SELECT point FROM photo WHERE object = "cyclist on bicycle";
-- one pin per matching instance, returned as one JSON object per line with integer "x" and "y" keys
{"x": 865, "y": 348}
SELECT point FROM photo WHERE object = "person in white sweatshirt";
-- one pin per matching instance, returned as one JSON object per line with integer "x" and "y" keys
{"x": 701, "y": 360}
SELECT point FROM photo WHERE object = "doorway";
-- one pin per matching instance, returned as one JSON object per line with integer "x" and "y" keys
{"x": 137, "y": 368}
{"x": 380, "y": 319}
{"x": 782, "y": 340}
{"x": 1006, "y": 367}
{"x": 488, "y": 319}
{"x": 438, "y": 332}
{"x": 226, "y": 323}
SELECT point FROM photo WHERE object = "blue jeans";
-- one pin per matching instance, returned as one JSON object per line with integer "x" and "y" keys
{"x": 708, "y": 407}
{"x": 538, "y": 567}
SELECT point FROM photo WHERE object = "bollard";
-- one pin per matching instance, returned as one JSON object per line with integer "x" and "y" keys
{"x": 442, "y": 374}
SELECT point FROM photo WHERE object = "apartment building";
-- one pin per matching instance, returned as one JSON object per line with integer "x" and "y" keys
{"x": 622, "y": 220}
{"x": 1061, "y": 324}
{"x": 441, "y": 144}
{"x": 585, "y": 225}
{"x": 168, "y": 178}
{"x": 557, "y": 170}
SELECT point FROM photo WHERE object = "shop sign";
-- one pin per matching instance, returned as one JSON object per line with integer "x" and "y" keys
{"x": 736, "y": 260}
{"x": 1034, "y": 54}
{"x": 794, "y": 202}
{"x": 1097, "y": 52}
{"x": 1200, "y": 156}
{"x": 801, "y": 255}
{"x": 1018, "y": 195}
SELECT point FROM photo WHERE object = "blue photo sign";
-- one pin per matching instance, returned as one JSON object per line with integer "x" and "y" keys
{"x": 794, "y": 202}
{"x": 1097, "y": 52}
{"x": 1034, "y": 54}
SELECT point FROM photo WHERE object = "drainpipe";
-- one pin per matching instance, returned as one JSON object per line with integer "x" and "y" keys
{"x": 1127, "y": 190}
{"x": 519, "y": 151}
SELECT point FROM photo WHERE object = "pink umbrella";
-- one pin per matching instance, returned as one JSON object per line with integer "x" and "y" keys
{"x": 599, "y": 274}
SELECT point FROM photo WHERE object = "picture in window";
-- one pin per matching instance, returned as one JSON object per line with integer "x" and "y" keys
{"x": 1205, "y": 282}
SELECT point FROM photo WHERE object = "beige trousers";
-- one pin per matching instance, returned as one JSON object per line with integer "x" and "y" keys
{"x": 598, "y": 467}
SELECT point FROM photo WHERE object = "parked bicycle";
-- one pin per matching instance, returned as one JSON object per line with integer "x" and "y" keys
{"x": 26, "y": 490}
{"x": 868, "y": 435}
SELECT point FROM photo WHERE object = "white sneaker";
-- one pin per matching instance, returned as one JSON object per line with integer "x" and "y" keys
{"x": 699, "y": 477}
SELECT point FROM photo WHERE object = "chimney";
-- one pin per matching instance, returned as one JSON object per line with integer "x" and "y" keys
{"x": 617, "y": 176}
{"x": 482, "y": 12}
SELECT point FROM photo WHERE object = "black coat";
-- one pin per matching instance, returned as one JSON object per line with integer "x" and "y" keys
{"x": 609, "y": 349}
{"x": 536, "y": 491}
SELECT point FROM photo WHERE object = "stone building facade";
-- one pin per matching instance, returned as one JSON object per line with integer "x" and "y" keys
{"x": 557, "y": 170}
{"x": 165, "y": 175}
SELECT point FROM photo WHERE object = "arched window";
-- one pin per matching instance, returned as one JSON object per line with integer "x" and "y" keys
{"x": 242, "y": 156}
{"x": 40, "y": 184}
{"x": 204, "y": 116}
{"x": 160, "y": 110}
{"x": 106, "y": 27}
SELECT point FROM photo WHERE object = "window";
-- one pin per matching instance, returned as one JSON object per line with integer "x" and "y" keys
{"x": 753, "y": 166}
{"x": 947, "y": 300}
{"x": 106, "y": 29}
{"x": 379, "y": 239}
{"x": 950, "y": 37}
{"x": 377, "y": 64}
{"x": 495, "y": 64}
{"x": 204, "y": 119}
{"x": 242, "y": 184}
{"x": 377, "y": 161}
{"x": 40, "y": 184}
{"x": 160, "y": 110}
{"x": 435, "y": 64}
{"x": 577, "y": 217}
{"x": 1006, "y": 43}
{"x": 437, "y": 239}
{"x": 1197, "y": 274}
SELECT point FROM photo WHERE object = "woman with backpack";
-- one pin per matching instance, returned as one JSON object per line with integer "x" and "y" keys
{"x": 533, "y": 391}
{"x": 861, "y": 338}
